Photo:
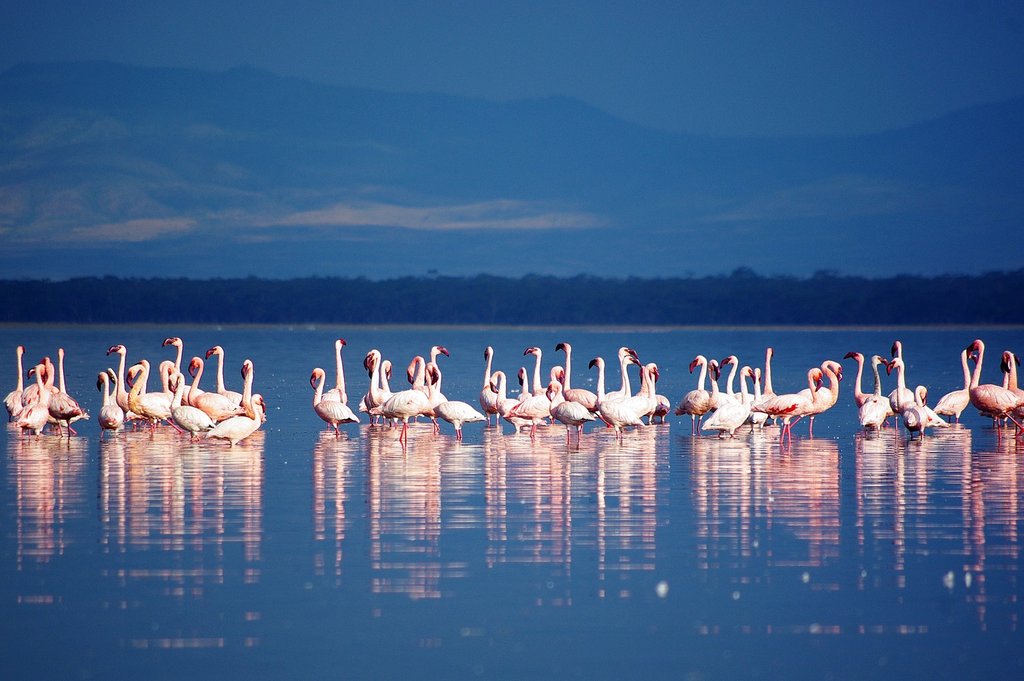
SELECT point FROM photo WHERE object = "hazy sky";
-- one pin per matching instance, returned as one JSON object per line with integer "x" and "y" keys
{"x": 709, "y": 67}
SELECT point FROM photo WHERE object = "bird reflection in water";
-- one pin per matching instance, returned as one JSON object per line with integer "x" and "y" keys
{"x": 49, "y": 479}
{"x": 160, "y": 491}
{"x": 540, "y": 505}
{"x": 333, "y": 458}
{"x": 404, "y": 499}
{"x": 745, "y": 492}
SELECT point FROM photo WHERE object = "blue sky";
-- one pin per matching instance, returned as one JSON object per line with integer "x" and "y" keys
{"x": 723, "y": 68}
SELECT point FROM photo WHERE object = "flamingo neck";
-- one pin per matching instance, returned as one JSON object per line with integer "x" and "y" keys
{"x": 860, "y": 373}
{"x": 976, "y": 378}
{"x": 318, "y": 394}
{"x": 340, "y": 372}
{"x": 21, "y": 371}
{"x": 878, "y": 378}
{"x": 702, "y": 379}
{"x": 487, "y": 369}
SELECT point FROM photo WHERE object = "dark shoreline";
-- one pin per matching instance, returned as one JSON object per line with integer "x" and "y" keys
{"x": 740, "y": 299}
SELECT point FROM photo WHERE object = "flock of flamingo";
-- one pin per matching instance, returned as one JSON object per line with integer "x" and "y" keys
{"x": 231, "y": 416}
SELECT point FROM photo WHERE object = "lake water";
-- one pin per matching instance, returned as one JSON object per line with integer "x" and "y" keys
{"x": 298, "y": 555}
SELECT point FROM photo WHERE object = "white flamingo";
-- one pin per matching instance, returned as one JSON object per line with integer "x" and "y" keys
{"x": 188, "y": 418}
{"x": 488, "y": 398}
{"x": 697, "y": 402}
{"x": 572, "y": 414}
{"x": 585, "y": 397}
{"x": 733, "y": 413}
{"x": 235, "y": 397}
{"x": 218, "y": 407}
{"x": 33, "y": 416}
{"x": 333, "y": 412}
{"x": 617, "y": 413}
{"x": 237, "y": 428}
{"x": 954, "y": 402}
{"x": 406, "y": 404}
{"x": 64, "y": 409}
{"x": 875, "y": 409}
{"x": 13, "y": 401}
{"x": 111, "y": 415}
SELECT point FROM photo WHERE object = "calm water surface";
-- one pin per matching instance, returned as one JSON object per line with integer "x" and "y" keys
{"x": 297, "y": 555}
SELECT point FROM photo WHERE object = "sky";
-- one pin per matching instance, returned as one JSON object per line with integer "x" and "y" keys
{"x": 718, "y": 68}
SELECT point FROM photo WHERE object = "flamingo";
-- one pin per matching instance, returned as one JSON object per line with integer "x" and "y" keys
{"x": 572, "y": 414}
{"x": 662, "y": 406}
{"x": 732, "y": 414}
{"x": 488, "y": 398}
{"x": 585, "y": 397}
{"x": 756, "y": 418}
{"x": 996, "y": 401}
{"x": 375, "y": 396}
{"x": 13, "y": 399}
{"x": 916, "y": 415}
{"x": 506, "y": 404}
{"x": 538, "y": 389}
{"x": 534, "y": 409}
{"x": 218, "y": 407}
{"x": 63, "y": 408}
{"x": 789, "y": 405}
{"x": 34, "y": 416}
{"x": 188, "y": 418}
{"x": 236, "y": 398}
{"x": 237, "y": 428}
{"x": 697, "y": 402}
{"x": 875, "y": 409}
{"x": 617, "y": 413}
{"x": 406, "y": 404}
{"x": 120, "y": 393}
{"x": 825, "y": 398}
{"x": 626, "y": 357}
{"x": 418, "y": 380}
{"x": 734, "y": 361}
{"x": 859, "y": 396}
{"x": 954, "y": 402}
{"x": 111, "y": 415}
{"x": 152, "y": 407}
{"x": 179, "y": 344}
{"x": 897, "y": 398}
{"x": 333, "y": 412}
{"x": 454, "y": 412}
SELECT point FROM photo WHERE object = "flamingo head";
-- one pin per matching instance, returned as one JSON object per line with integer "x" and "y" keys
{"x": 694, "y": 363}
{"x": 731, "y": 359}
{"x": 751, "y": 374}
{"x": 893, "y": 364}
{"x": 32, "y": 371}
{"x": 315, "y": 376}
{"x": 193, "y": 366}
{"x": 116, "y": 348}
{"x": 173, "y": 340}
{"x": 132, "y": 374}
{"x": 246, "y": 368}
{"x": 531, "y": 351}
{"x": 655, "y": 372}
{"x": 212, "y": 351}
{"x": 559, "y": 375}
{"x": 20, "y": 350}
{"x": 597, "y": 361}
{"x": 442, "y": 350}
{"x": 111, "y": 374}
{"x": 386, "y": 368}
{"x": 897, "y": 348}
{"x": 101, "y": 379}
{"x": 564, "y": 347}
{"x": 340, "y": 343}
{"x": 854, "y": 355}
{"x": 369, "y": 361}
{"x": 488, "y": 352}
{"x": 522, "y": 375}
{"x": 433, "y": 373}
{"x": 553, "y": 389}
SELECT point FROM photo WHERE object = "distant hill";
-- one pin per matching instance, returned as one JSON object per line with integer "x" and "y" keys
{"x": 107, "y": 168}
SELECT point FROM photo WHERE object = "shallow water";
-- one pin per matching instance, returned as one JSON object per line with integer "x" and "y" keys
{"x": 297, "y": 554}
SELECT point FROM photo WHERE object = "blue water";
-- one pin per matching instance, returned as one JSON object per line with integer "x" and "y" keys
{"x": 299, "y": 555}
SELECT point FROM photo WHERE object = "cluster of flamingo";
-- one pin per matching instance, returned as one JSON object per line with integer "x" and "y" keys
{"x": 554, "y": 400}
{"x": 220, "y": 414}
{"x": 232, "y": 416}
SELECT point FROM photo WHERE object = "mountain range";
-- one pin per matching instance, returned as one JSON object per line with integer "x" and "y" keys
{"x": 113, "y": 169}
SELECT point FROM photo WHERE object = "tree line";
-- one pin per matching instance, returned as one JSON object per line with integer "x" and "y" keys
{"x": 740, "y": 298}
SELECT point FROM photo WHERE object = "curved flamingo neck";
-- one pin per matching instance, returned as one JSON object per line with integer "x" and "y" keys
{"x": 624, "y": 370}
{"x": 318, "y": 393}
{"x": 878, "y": 378}
{"x": 600, "y": 379}
{"x": 21, "y": 370}
{"x": 489, "y": 355}
{"x": 731, "y": 381}
{"x": 702, "y": 380}
{"x": 568, "y": 367}
{"x": 976, "y": 377}
{"x": 340, "y": 372}
{"x": 60, "y": 370}
{"x": 375, "y": 390}
{"x": 194, "y": 390}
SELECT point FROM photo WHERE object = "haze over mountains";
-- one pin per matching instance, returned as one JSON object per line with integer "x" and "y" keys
{"x": 112, "y": 169}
